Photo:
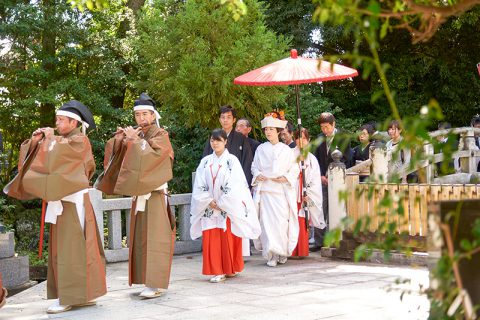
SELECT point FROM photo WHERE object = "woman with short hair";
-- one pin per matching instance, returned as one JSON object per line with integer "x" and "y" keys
{"x": 312, "y": 201}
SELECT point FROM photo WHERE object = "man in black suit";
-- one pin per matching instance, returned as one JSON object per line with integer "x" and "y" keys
{"x": 332, "y": 139}
{"x": 244, "y": 127}
{"x": 237, "y": 144}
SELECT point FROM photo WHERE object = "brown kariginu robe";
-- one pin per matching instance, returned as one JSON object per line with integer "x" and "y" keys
{"x": 137, "y": 168}
{"x": 58, "y": 167}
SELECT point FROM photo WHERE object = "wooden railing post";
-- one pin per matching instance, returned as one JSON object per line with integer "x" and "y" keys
{"x": 336, "y": 185}
{"x": 468, "y": 165}
{"x": 430, "y": 168}
{"x": 379, "y": 168}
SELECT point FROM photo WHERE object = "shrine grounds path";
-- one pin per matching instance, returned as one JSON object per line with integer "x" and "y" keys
{"x": 312, "y": 288}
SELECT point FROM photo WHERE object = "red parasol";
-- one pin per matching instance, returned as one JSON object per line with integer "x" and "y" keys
{"x": 295, "y": 70}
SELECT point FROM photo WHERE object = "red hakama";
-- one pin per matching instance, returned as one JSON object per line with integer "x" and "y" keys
{"x": 301, "y": 250}
{"x": 222, "y": 251}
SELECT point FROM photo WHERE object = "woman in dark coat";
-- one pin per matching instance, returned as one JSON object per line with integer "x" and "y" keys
{"x": 361, "y": 152}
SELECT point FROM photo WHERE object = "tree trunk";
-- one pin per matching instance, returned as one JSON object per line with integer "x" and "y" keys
{"x": 134, "y": 5}
{"x": 47, "y": 110}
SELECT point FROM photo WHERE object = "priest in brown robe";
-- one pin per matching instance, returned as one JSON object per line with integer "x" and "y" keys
{"x": 138, "y": 163}
{"x": 57, "y": 169}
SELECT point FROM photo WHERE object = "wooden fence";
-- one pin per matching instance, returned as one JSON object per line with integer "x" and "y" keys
{"x": 368, "y": 200}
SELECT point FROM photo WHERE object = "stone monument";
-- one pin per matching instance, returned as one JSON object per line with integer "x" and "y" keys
{"x": 14, "y": 269}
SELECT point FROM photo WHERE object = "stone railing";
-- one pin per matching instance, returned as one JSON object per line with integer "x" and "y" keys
{"x": 116, "y": 212}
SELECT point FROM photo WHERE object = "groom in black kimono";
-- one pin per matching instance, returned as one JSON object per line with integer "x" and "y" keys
{"x": 237, "y": 144}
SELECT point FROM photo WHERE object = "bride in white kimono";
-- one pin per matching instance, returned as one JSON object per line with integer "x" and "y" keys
{"x": 313, "y": 199}
{"x": 222, "y": 211}
{"x": 275, "y": 173}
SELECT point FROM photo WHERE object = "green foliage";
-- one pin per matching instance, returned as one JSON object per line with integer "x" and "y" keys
{"x": 77, "y": 61}
{"x": 4, "y": 206}
{"x": 188, "y": 144}
{"x": 23, "y": 218}
{"x": 188, "y": 65}
{"x": 89, "y": 4}
{"x": 236, "y": 7}
{"x": 416, "y": 72}
{"x": 292, "y": 19}
{"x": 312, "y": 103}
{"x": 34, "y": 259}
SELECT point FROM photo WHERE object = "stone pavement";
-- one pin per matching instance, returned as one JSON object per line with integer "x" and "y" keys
{"x": 312, "y": 288}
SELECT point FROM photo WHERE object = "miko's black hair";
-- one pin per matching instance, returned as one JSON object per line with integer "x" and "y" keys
{"x": 218, "y": 134}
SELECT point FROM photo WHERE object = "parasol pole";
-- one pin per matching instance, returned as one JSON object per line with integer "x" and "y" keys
{"x": 302, "y": 163}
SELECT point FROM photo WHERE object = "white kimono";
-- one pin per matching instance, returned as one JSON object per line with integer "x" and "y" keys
{"x": 276, "y": 202}
{"x": 313, "y": 188}
{"x": 222, "y": 179}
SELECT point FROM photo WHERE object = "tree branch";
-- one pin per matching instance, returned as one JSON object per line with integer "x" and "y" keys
{"x": 431, "y": 17}
{"x": 446, "y": 12}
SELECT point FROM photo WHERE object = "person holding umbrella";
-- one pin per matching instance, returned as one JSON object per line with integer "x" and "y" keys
{"x": 275, "y": 173}
{"x": 312, "y": 200}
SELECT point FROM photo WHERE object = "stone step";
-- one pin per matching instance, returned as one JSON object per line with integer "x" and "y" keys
{"x": 396, "y": 258}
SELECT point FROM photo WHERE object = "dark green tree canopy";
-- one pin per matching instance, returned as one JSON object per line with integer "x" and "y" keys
{"x": 188, "y": 60}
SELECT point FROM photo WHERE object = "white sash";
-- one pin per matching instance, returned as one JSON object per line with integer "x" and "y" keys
{"x": 142, "y": 200}
{"x": 55, "y": 208}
